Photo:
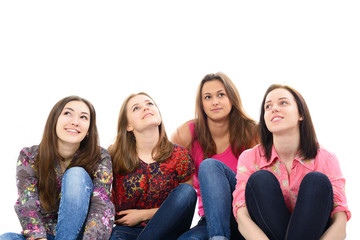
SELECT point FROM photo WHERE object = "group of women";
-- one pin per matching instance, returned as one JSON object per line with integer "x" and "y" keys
{"x": 265, "y": 180}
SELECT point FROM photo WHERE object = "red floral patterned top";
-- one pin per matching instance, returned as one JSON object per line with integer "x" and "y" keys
{"x": 149, "y": 185}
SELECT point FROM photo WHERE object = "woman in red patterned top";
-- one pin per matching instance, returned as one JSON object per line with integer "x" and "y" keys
{"x": 150, "y": 201}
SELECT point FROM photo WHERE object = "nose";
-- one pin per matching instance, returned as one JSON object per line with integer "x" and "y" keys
{"x": 75, "y": 122}
{"x": 275, "y": 108}
{"x": 215, "y": 102}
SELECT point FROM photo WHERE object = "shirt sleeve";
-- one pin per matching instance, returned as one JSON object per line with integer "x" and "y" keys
{"x": 331, "y": 168}
{"x": 245, "y": 168}
{"x": 27, "y": 206}
{"x": 101, "y": 211}
{"x": 185, "y": 166}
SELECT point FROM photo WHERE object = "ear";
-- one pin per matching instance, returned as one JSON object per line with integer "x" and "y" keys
{"x": 301, "y": 118}
{"x": 129, "y": 128}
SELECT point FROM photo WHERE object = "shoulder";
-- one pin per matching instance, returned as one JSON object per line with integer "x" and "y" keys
{"x": 183, "y": 134}
{"x": 28, "y": 154}
{"x": 326, "y": 157}
{"x": 180, "y": 152}
{"x": 252, "y": 154}
{"x": 104, "y": 157}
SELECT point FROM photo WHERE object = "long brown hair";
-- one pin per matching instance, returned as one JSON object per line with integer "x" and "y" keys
{"x": 123, "y": 152}
{"x": 87, "y": 155}
{"x": 243, "y": 129}
{"x": 308, "y": 140}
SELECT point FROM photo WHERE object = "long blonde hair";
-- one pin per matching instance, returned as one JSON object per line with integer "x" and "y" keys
{"x": 123, "y": 152}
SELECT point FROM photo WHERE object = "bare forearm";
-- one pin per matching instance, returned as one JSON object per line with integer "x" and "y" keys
{"x": 337, "y": 229}
{"x": 247, "y": 227}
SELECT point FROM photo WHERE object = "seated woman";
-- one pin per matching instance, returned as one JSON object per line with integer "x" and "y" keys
{"x": 151, "y": 194}
{"x": 64, "y": 183}
{"x": 289, "y": 187}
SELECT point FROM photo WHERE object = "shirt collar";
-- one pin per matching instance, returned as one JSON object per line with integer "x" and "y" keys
{"x": 308, "y": 163}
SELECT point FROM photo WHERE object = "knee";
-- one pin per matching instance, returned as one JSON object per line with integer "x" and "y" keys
{"x": 185, "y": 194}
{"x": 261, "y": 177}
{"x": 316, "y": 180}
{"x": 209, "y": 166}
{"x": 75, "y": 181}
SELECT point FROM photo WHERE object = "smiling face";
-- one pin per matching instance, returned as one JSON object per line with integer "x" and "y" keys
{"x": 73, "y": 123}
{"x": 215, "y": 101}
{"x": 281, "y": 112}
{"x": 142, "y": 113}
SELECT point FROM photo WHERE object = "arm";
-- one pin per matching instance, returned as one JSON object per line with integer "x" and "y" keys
{"x": 101, "y": 210}
{"x": 247, "y": 227}
{"x": 337, "y": 229}
{"x": 27, "y": 206}
{"x": 182, "y": 136}
{"x": 132, "y": 217}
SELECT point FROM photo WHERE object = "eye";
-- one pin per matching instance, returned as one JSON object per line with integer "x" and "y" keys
{"x": 67, "y": 113}
{"x": 267, "y": 106}
{"x": 283, "y": 103}
{"x": 207, "y": 97}
{"x": 84, "y": 117}
{"x": 135, "y": 109}
{"x": 221, "y": 95}
{"x": 150, "y": 104}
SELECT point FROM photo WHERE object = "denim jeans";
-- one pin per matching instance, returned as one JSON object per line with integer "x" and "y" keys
{"x": 172, "y": 218}
{"x": 217, "y": 182}
{"x": 76, "y": 191}
{"x": 266, "y": 206}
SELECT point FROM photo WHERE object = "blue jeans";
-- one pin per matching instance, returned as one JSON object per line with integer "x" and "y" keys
{"x": 76, "y": 191}
{"x": 217, "y": 182}
{"x": 266, "y": 206}
{"x": 172, "y": 218}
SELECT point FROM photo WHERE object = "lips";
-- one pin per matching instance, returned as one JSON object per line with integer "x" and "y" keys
{"x": 71, "y": 130}
{"x": 276, "y": 118}
{"x": 216, "y": 109}
{"x": 147, "y": 115}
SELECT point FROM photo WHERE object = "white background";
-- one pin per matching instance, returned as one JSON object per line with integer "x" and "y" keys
{"x": 106, "y": 50}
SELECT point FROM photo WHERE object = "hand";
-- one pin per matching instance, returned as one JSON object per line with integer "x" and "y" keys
{"x": 130, "y": 217}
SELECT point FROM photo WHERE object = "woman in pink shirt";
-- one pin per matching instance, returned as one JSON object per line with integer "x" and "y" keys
{"x": 220, "y": 131}
{"x": 289, "y": 187}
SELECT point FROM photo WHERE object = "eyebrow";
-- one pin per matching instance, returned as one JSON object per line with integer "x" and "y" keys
{"x": 68, "y": 108}
{"x": 282, "y": 98}
{"x": 218, "y": 91}
{"x": 146, "y": 101}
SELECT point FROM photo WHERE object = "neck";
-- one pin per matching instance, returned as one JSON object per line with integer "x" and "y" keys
{"x": 219, "y": 129}
{"x": 146, "y": 142}
{"x": 67, "y": 150}
{"x": 287, "y": 146}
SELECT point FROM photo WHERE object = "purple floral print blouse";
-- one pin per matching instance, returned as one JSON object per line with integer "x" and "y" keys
{"x": 37, "y": 222}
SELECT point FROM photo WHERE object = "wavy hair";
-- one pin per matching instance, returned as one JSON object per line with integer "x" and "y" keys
{"x": 86, "y": 157}
{"x": 243, "y": 129}
{"x": 123, "y": 152}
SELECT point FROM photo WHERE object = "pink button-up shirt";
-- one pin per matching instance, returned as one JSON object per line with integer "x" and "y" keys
{"x": 325, "y": 162}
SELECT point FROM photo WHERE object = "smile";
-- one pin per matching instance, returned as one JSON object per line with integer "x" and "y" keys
{"x": 276, "y": 118}
{"x": 72, "y": 130}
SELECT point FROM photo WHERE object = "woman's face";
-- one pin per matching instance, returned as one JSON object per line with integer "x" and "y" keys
{"x": 281, "y": 112}
{"x": 142, "y": 113}
{"x": 73, "y": 123}
{"x": 215, "y": 101}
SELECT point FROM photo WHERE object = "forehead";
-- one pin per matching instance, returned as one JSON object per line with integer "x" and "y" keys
{"x": 279, "y": 93}
{"x": 77, "y": 106}
{"x": 138, "y": 99}
{"x": 212, "y": 86}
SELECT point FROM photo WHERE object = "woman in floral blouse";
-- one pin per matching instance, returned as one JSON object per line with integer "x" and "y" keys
{"x": 289, "y": 187}
{"x": 150, "y": 201}
{"x": 64, "y": 183}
